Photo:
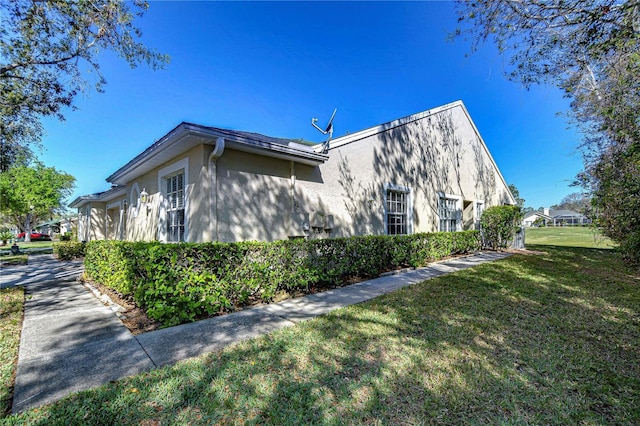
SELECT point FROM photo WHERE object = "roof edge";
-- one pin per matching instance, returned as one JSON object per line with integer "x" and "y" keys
{"x": 374, "y": 130}
{"x": 371, "y": 131}
{"x": 255, "y": 141}
{"x": 98, "y": 196}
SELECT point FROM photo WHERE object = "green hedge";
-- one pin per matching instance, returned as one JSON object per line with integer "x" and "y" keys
{"x": 177, "y": 283}
{"x": 499, "y": 225}
{"x": 68, "y": 250}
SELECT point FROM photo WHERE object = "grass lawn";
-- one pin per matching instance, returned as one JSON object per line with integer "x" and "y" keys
{"x": 532, "y": 339}
{"x": 11, "y": 260}
{"x": 573, "y": 236}
{"x": 30, "y": 245}
{"x": 11, "y": 303}
{"x": 35, "y": 247}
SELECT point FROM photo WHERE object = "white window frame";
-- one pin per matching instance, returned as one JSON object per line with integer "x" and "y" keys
{"x": 409, "y": 207}
{"x": 458, "y": 212}
{"x": 174, "y": 191}
{"x": 477, "y": 213}
{"x": 163, "y": 175}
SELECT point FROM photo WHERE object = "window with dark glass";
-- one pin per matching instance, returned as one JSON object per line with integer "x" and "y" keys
{"x": 396, "y": 212}
{"x": 449, "y": 214}
{"x": 175, "y": 207}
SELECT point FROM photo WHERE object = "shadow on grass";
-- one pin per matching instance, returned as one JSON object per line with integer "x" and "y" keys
{"x": 546, "y": 339}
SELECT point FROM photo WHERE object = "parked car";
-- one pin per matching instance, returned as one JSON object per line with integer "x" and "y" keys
{"x": 34, "y": 237}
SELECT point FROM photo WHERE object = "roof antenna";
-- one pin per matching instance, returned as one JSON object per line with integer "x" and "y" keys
{"x": 328, "y": 129}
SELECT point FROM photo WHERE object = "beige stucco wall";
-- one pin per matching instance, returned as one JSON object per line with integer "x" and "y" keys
{"x": 254, "y": 197}
{"x": 441, "y": 153}
{"x": 143, "y": 221}
{"x": 92, "y": 224}
{"x": 242, "y": 196}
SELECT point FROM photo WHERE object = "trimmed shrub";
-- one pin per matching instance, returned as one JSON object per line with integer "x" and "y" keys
{"x": 499, "y": 225}
{"x": 114, "y": 263}
{"x": 68, "y": 250}
{"x": 177, "y": 283}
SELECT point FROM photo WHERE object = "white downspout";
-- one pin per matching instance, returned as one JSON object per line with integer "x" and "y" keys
{"x": 292, "y": 187}
{"x": 218, "y": 150}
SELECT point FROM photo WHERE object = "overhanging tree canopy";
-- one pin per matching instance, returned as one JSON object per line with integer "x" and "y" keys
{"x": 591, "y": 50}
{"x": 44, "y": 47}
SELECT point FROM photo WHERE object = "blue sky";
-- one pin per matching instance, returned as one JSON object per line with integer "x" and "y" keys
{"x": 270, "y": 67}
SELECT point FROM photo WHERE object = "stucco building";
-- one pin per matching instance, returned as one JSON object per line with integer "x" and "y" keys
{"x": 427, "y": 172}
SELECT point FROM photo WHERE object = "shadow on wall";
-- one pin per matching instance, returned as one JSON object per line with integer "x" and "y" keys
{"x": 253, "y": 207}
{"x": 257, "y": 197}
{"x": 360, "y": 201}
{"x": 98, "y": 224}
{"x": 430, "y": 155}
{"x": 142, "y": 220}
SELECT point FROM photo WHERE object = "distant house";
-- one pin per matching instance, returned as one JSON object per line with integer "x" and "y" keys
{"x": 56, "y": 226}
{"x": 569, "y": 218}
{"x": 557, "y": 218}
{"x": 426, "y": 172}
{"x": 534, "y": 217}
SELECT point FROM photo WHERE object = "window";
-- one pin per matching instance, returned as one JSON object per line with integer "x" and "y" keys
{"x": 479, "y": 209}
{"x": 174, "y": 193}
{"x": 396, "y": 212}
{"x": 450, "y": 213}
{"x": 173, "y": 209}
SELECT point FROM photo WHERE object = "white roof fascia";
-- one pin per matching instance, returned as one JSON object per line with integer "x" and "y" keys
{"x": 292, "y": 151}
{"x": 172, "y": 145}
{"x": 100, "y": 197}
{"x": 153, "y": 157}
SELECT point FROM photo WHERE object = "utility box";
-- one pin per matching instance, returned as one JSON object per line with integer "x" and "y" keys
{"x": 317, "y": 220}
{"x": 299, "y": 224}
{"x": 329, "y": 225}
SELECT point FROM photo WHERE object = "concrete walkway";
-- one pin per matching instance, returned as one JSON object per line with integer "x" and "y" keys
{"x": 70, "y": 341}
{"x": 41, "y": 268}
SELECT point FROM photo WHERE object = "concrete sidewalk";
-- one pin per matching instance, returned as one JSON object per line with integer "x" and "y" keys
{"x": 41, "y": 268}
{"x": 70, "y": 341}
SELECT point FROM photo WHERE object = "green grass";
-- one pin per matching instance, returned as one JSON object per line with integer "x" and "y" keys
{"x": 571, "y": 236}
{"x": 30, "y": 245}
{"x": 533, "y": 339}
{"x": 11, "y": 306}
{"x": 35, "y": 247}
{"x": 14, "y": 259}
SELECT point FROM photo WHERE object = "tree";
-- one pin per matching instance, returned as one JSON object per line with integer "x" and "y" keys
{"x": 617, "y": 199}
{"x": 29, "y": 194}
{"x": 527, "y": 210}
{"x": 591, "y": 50}
{"x": 577, "y": 201}
{"x": 44, "y": 46}
{"x": 540, "y": 222}
{"x": 516, "y": 195}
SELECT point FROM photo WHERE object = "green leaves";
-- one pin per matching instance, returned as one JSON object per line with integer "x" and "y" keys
{"x": 68, "y": 250}
{"x": 499, "y": 224}
{"x": 178, "y": 283}
{"x": 44, "y": 47}
{"x": 589, "y": 49}
{"x": 34, "y": 192}
{"x": 616, "y": 199}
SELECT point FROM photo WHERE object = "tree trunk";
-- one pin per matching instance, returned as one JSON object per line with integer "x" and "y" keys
{"x": 27, "y": 229}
